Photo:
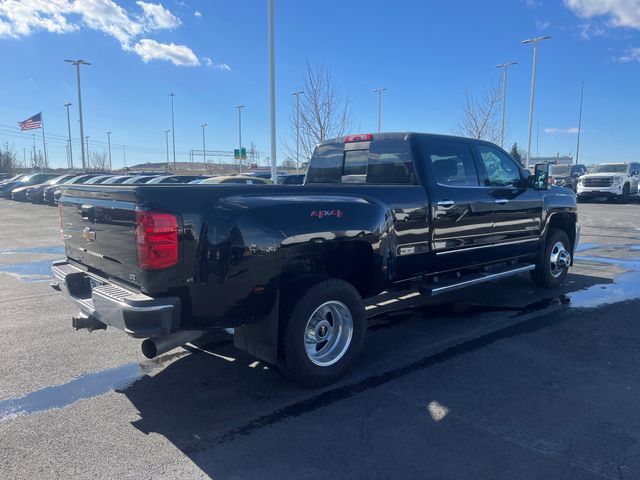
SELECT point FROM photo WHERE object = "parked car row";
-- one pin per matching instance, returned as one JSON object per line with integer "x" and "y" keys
{"x": 609, "y": 181}
{"x": 45, "y": 187}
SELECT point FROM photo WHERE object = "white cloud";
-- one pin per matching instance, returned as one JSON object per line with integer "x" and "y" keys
{"x": 108, "y": 17}
{"x": 197, "y": 13}
{"x": 632, "y": 55}
{"x": 219, "y": 66}
{"x": 561, "y": 131}
{"x": 591, "y": 30}
{"x": 180, "y": 55}
{"x": 619, "y": 13}
{"x": 20, "y": 18}
{"x": 542, "y": 24}
{"x": 157, "y": 17}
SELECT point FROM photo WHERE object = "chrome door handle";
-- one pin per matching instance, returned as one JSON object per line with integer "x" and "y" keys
{"x": 446, "y": 203}
{"x": 501, "y": 201}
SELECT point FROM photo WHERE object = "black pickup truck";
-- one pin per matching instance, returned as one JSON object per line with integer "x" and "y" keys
{"x": 288, "y": 267}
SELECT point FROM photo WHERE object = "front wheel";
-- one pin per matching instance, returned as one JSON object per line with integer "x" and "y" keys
{"x": 626, "y": 191}
{"x": 552, "y": 268}
{"x": 323, "y": 333}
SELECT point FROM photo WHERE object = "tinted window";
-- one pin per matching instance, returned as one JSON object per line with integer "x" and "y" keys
{"x": 452, "y": 164}
{"x": 387, "y": 162}
{"x": 561, "y": 169}
{"x": 355, "y": 162}
{"x": 501, "y": 170}
{"x": 326, "y": 164}
{"x": 39, "y": 178}
{"x": 390, "y": 163}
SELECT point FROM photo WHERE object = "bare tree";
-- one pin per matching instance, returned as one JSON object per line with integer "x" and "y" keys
{"x": 324, "y": 112}
{"x": 8, "y": 159}
{"x": 253, "y": 156}
{"x": 480, "y": 115}
{"x": 38, "y": 162}
{"x": 98, "y": 161}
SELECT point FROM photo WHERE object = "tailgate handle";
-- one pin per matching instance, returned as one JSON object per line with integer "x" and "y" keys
{"x": 87, "y": 213}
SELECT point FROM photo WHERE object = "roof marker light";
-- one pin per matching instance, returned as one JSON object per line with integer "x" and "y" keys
{"x": 361, "y": 137}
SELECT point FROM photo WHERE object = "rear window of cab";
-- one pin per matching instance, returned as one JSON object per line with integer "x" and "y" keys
{"x": 377, "y": 162}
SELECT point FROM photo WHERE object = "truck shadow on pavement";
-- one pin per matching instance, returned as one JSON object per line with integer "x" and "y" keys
{"x": 218, "y": 394}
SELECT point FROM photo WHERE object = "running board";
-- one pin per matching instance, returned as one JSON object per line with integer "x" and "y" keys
{"x": 444, "y": 287}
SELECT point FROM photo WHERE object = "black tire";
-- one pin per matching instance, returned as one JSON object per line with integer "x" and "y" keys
{"x": 295, "y": 363}
{"x": 580, "y": 199}
{"x": 626, "y": 190}
{"x": 545, "y": 275}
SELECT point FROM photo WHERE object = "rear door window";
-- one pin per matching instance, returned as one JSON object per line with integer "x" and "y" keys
{"x": 390, "y": 163}
{"x": 452, "y": 164}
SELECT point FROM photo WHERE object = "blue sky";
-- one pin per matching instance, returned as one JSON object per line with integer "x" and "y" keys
{"x": 213, "y": 55}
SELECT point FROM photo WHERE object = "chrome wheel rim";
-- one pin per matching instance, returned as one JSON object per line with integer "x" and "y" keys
{"x": 328, "y": 333}
{"x": 559, "y": 260}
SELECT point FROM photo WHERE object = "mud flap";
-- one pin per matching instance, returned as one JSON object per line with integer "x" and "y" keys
{"x": 261, "y": 339}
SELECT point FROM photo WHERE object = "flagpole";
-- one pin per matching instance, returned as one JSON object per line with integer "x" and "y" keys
{"x": 44, "y": 142}
{"x": 34, "y": 148}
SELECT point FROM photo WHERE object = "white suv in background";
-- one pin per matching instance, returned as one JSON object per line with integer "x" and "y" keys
{"x": 611, "y": 181}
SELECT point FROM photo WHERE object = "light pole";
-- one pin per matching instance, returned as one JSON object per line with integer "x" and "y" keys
{"x": 173, "y": 131}
{"x": 166, "y": 139}
{"x": 77, "y": 63}
{"x": 88, "y": 156}
{"x": 297, "y": 95}
{"x": 579, "y": 122}
{"x": 505, "y": 67}
{"x": 379, "y": 92}
{"x": 535, "y": 42}
{"x": 109, "y": 145}
{"x": 67, "y": 105}
{"x": 240, "y": 107}
{"x": 272, "y": 91}
{"x": 204, "y": 146}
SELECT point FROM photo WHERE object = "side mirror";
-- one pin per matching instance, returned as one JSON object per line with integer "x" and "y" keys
{"x": 542, "y": 176}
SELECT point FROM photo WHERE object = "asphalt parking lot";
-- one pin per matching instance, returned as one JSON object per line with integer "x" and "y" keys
{"x": 503, "y": 381}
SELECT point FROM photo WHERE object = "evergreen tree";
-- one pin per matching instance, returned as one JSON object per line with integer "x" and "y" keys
{"x": 515, "y": 153}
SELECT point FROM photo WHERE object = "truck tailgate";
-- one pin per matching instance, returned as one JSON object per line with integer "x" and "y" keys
{"x": 98, "y": 227}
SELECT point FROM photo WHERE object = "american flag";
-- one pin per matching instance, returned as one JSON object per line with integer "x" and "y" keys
{"x": 31, "y": 123}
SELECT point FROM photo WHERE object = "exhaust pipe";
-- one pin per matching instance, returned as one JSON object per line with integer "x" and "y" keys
{"x": 152, "y": 347}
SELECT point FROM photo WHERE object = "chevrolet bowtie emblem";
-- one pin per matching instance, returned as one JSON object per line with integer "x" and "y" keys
{"x": 88, "y": 234}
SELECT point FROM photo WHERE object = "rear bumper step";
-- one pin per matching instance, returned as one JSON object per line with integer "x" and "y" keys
{"x": 467, "y": 281}
{"x": 132, "y": 312}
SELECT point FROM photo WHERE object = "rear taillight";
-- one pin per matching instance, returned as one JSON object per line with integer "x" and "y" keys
{"x": 156, "y": 240}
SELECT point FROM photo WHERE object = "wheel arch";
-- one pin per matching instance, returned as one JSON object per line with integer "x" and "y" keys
{"x": 566, "y": 221}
